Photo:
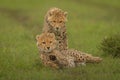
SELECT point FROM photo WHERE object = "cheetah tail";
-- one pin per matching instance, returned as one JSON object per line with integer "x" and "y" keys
{"x": 92, "y": 59}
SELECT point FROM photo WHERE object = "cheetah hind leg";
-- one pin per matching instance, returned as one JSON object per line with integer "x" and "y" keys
{"x": 71, "y": 62}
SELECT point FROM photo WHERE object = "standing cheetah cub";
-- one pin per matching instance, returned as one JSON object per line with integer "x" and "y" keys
{"x": 54, "y": 22}
{"x": 49, "y": 55}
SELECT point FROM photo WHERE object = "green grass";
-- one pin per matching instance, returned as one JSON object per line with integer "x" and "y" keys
{"x": 89, "y": 21}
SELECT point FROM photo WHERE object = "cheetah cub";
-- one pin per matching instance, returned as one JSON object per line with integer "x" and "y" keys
{"x": 49, "y": 55}
{"x": 47, "y": 44}
{"x": 54, "y": 22}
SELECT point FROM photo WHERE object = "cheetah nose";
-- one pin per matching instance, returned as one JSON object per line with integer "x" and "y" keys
{"x": 57, "y": 28}
{"x": 48, "y": 47}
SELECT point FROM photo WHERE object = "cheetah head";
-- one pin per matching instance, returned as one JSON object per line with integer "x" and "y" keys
{"x": 56, "y": 18}
{"x": 46, "y": 42}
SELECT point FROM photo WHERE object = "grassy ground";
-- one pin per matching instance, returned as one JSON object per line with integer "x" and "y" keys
{"x": 89, "y": 21}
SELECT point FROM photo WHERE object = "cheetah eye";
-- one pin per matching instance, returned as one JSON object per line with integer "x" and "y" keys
{"x": 43, "y": 42}
{"x": 54, "y": 21}
{"x": 60, "y": 21}
{"x": 50, "y": 41}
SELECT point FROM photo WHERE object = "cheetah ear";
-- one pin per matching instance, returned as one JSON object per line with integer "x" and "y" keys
{"x": 49, "y": 18}
{"x": 52, "y": 35}
{"x": 37, "y": 37}
{"x": 51, "y": 13}
{"x": 65, "y": 13}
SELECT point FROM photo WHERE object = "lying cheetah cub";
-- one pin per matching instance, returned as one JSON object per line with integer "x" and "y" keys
{"x": 49, "y": 55}
{"x": 54, "y": 22}
{"x": 47, "y": 44}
